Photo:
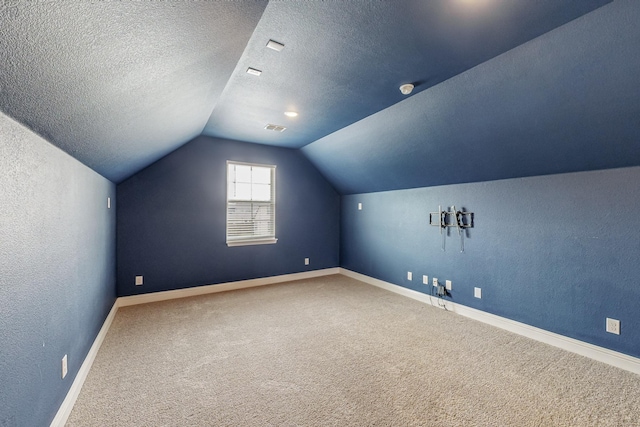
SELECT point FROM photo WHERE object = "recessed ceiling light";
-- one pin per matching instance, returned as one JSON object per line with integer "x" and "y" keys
{"x": 291, "y": 114}
{"x": 275, "y": 45}
{"x": 276, "y": 128}
{"x": 253, "y": 71}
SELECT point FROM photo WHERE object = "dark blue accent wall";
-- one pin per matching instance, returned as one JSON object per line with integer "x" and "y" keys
{"x": 558, "y": 252}
{"x": 57, "y": 271}
{"x": 172, "y": 219}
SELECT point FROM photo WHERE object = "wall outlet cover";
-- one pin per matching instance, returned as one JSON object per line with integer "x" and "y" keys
{"x": 435, "y": 281}
{"x": 477, "y": 292}
{"x": 613, "y": 326}
{"x": 425, "y": 280}
{"x": 139, "y": 280}
{"x": 409, "y": 275}
{"x": 448, "y": 284}
{"x": 306, "y": 261}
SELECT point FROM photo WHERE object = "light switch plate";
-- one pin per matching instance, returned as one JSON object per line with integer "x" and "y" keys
{"x": 64, "y": 366}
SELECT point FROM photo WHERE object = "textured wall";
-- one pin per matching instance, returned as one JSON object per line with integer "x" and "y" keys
{"x": 57, "y": 271}
{"x": 172, "y": 219}
{"x": 558, "y": 252}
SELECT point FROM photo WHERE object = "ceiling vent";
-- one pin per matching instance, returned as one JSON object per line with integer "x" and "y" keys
{"x": 275, "y": 128}
{"x": 275, "y": 45}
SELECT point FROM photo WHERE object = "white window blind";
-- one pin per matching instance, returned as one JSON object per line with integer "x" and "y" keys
{"x": 251, "y": 204}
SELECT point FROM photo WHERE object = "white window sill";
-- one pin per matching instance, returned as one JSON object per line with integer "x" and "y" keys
{"x": 270, "y": 241}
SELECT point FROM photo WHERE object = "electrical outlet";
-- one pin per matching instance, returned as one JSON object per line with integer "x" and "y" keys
{"x": 306, "y": 261}
{"x": 435, "y": 281}
{"x": 359, "y": 206}
{"x": 409, "y": 275}
{"x": 64, "y": 366}
{"x": 613, "y": 326}
{"x": 477, "y": 292}
{"x": 448, "y": 284}
{"x": 425, "y": 280}
{"x": 139, "y": 280}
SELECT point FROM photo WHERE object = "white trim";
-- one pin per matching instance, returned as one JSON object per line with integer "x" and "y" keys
{"x": 251, "y": 239}
{"x": 248, "y": 242}
{"x": 74, "y": 391}
{"x": 72, "y": 395}
{"x": 601, "y": 354}
{"x": 222, "y": 287}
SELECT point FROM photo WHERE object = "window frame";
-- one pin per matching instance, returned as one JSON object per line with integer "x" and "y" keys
{"x": 249, "y": 240}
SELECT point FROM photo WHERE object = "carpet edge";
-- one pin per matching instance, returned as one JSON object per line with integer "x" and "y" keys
{"x": 582, "y": 348}
{"x": 74, "y": 391}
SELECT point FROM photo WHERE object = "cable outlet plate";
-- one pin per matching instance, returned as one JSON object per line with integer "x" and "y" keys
{"x": 613, "y": 326}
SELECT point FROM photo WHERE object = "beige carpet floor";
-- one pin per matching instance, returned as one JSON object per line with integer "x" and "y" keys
{"x": 333, "y": 351}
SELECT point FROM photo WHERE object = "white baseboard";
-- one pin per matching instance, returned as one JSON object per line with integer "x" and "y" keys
{"x": 222, "y": 287}
{"x": 601, "y": 354}
{"x": 67, "y": 405}
{"x": 72, "y": 395}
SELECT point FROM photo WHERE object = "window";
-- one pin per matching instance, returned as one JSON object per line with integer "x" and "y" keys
{"x": 251, "y": 204}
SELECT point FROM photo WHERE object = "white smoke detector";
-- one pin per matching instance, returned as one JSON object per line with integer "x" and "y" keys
{"x": 406, "y": 89}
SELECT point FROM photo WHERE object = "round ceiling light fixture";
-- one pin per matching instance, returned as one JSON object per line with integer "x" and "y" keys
{"x": 291, "y": 114}
{"x": 406, "y": 89}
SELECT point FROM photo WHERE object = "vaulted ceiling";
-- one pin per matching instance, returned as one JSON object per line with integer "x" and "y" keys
{"x": 503, "y": 88}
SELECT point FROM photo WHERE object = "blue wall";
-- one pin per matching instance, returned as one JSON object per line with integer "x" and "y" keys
{"x": 559, "y": 252}
{"x": 57, "y": 271}
{"x": 172, "y": 219}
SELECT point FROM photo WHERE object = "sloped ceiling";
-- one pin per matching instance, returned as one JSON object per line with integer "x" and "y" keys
{"x": 344, "y": 61}
{"x": 566, "y": 101}
{"x": 120, "y": 84}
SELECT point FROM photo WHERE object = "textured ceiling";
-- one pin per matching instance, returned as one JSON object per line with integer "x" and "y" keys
{"x": 345, "y": 61}
{"x": 119, "y": 84}
{"x": 566, "y": 101}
